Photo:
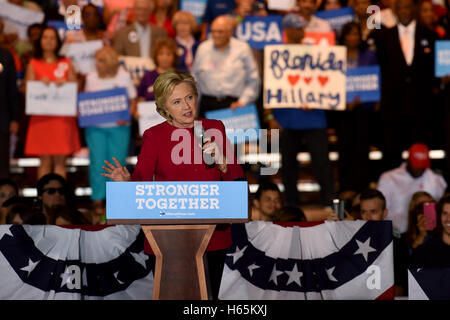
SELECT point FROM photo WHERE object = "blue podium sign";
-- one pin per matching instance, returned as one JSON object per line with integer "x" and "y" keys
{"x": 174, "y": 202}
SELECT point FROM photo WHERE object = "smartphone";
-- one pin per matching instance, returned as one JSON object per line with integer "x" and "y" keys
{"x": 338, "y": 207}
{"x": 429, "y": 211}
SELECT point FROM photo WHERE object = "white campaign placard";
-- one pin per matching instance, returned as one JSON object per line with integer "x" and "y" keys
{"x": 283, "y": 5}
{"x": 17, "y": 19}
{"x": 305, "y": 76}
{"x": 82, "y": 55}
{"x": 148, "y": 116}
{"x": 137, "y": 67}
{"x": 51, "y": 100}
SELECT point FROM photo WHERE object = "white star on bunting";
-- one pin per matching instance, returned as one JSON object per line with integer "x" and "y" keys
{"x": 140, "y": 258}
{"x": 30, "y": 267}
{"x": 275, "y": 274}
{"x": 116, "y": 276}
{"x": 330, "y": 274}
{"x": 364, "y": 248}
{"x": 294, "y": 275}
{"x": 66, "y": 277}
{"x": 251, "y": 268}
{"x": 237, "y": 254}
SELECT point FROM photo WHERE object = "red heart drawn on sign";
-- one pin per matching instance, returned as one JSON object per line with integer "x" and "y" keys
{"x": 322, "y": 80}
{"x": 293, "y": 79}
{"x": 307, "y": 80}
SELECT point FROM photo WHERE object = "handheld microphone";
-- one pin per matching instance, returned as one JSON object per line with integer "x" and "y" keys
{"x": 199, "y": 133}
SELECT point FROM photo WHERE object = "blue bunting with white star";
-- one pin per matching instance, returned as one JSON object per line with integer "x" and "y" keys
{"x": 50, "y": 262}
{"x": 332, "y": 260}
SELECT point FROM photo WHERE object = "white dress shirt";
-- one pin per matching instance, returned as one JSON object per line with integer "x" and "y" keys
{"x": 411, "y": 29}
{"x": 144, "y": 39}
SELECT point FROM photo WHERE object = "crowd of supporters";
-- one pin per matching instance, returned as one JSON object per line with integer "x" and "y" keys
{"x": 413, "y": 111}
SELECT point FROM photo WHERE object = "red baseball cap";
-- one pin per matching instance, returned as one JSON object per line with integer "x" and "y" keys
{"x": 418, "y": 156}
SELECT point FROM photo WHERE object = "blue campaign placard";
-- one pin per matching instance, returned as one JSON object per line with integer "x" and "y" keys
{"x": 363, "y": 82}
{"x": 337, "y": 18}
{"x": 196, "y": 7}
{"x": 442, "y": 58}
{"x": 60, "y": 26}
{"x": 99, "y": 107}
{"x": 260, "y": 31}
{"x": 169, "y": 200}
{"x": 241, "y": 124}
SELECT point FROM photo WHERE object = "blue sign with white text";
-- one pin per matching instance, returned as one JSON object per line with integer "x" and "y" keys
{"x": 168, "y": 200}
{"x": 363, "y": 82}
{"x": 101, "y": 107}
{"x": 337, "y": 18}
{"x": 60, "y": 26}
{"x": 442, "y": 58}
{"x": 260, "y": 31}
{"x": 241, "y": 124}
{"x": 196, "y": 7}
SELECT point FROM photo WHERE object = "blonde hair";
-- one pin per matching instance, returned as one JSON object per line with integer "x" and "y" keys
{"x": 164, "y": 86}
{"x": 111, "y": 57}
{"x": 185, "y": 16}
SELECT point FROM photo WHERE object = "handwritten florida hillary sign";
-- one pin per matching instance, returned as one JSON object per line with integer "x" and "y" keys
{"x": 299, "y": 75}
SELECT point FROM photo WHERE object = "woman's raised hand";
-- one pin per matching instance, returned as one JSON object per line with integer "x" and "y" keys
{"x": 116, "y": 172}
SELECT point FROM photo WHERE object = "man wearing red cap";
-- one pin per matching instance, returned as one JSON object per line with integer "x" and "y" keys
{"x": 398, "y": 185}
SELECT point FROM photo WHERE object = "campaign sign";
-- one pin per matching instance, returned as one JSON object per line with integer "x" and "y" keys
{"x": 260, "y": 31}
{"x": 104, "y": 106}
{"x": 148, "y": 116}
{"x": 51, "y": 100}
{"x": 196, "y": 7}
{"x": 189, "y": 201}
{"x": 17, "y": 19}
{"x": 337, "y": 18}
{"x": 282, "y": 5}
{"x": 298, "y": 75}
{"x": 442, "y": 58}
{"x": 137, "y": 67}
{"x": 60, "y": 26}
{"x": 319, "y": 38}
{"x": 363, "y": 82}
{"x": 237, "y": 123}
{"x": 82, "y": 55}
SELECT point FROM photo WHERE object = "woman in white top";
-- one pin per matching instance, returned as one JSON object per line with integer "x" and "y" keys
{"x": 108, "y": 139}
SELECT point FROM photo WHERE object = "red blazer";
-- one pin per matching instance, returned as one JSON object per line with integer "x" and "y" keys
{"x": 162, "y": 159}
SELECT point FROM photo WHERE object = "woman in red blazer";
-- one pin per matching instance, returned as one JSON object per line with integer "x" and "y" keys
{"x": 171, "y": 151}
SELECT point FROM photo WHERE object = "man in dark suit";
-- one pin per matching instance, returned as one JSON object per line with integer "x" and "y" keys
{"x": 406, "y": 57}
{"x": 9, "y": 109}
{"x": 137, "y": 39}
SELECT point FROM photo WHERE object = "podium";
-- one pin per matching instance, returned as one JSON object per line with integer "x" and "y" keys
{"x": 178, "y": 219}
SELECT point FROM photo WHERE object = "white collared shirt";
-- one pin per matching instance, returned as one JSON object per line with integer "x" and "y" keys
{"x": 411, "y": 29}
{"x": 398, "y": 186}
{"x": 144, "y": 39}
